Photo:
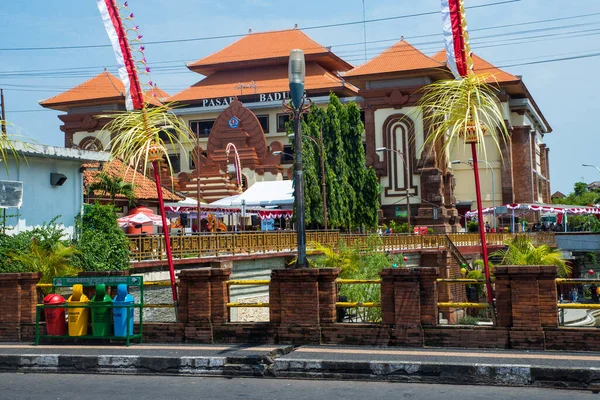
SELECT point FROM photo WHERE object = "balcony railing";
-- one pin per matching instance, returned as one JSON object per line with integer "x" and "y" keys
{"x": 151, "y": 247}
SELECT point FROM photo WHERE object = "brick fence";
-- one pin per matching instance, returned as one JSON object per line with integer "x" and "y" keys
{"x": 302, "y": 311}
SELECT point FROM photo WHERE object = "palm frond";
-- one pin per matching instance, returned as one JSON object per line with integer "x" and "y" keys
{"x": 10, "y": 145}
{"x": 451, "y": 106}
{"x": 136, "y": 135}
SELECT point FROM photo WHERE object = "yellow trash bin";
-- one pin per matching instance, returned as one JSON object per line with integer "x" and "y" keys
{"x": 78, "y": 317}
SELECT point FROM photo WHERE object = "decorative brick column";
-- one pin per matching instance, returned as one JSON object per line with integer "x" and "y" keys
{"x": 548, "y": 296}
{"x": 29, "y": 295}
{"x": 530, "y": 306}
{"x": 203, "y": 297}
{"x": 327, "y": 295}
{"x": 294, "y": 305}
{"x": 429, "y": 295}
{"x": 401, "y": 305}
{"x": 10, "y": 311}
{"x": 502, "y": 290}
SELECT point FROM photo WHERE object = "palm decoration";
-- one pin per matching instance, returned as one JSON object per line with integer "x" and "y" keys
{"x": 142, "y": 134}
{"x": 10, "y": 146}
{"x": 463, "y": 108}
{"x": 112, "y": 186}
{"x": 521, "y": 251}
{"x": 463, "y": 111}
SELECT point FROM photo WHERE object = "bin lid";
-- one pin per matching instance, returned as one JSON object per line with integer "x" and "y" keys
{"x": 53, "y": 298}
{"x": 101, "y": 295}
{"x": 121, "y": 292}
{"x": 78, "y": 294}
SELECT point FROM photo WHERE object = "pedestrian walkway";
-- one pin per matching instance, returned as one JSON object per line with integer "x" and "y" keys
{"x": 454, "y": 366}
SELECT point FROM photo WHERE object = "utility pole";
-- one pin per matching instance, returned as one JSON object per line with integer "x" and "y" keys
{"x": 3, "y": 112}
{"x": 3, "y": 122}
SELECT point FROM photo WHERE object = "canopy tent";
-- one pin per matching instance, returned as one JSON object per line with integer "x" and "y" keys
{"x": 140, "y": 219}
{"x": 520, "y": 208}
{"x": 517, "y": 209}
{"x": 225, "y": 201}
{"x": 267, "y": 194}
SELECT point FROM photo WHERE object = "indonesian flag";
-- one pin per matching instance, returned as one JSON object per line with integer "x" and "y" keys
{"x": 454, "y": 38}
{"x": 116, "y": 32}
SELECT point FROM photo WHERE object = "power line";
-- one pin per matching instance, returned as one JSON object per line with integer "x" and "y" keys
{"x": 95, "y": 46}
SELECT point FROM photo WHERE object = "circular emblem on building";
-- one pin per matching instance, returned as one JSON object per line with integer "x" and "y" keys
{"x": 234, "y": 122}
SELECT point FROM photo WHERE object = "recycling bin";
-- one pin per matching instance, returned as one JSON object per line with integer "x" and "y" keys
{"x": 78, "y": 316}
{"x": 100, "y": 306}
{"x": 56, "y": 322}
{"x": 123, "y": 316}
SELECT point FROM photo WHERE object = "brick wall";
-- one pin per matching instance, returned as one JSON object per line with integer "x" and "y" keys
{"x": 303, "y": 311}
{"x": 522, "y": 164}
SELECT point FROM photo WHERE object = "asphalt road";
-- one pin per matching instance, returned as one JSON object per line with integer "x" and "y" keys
{"x": 128, "y": 387}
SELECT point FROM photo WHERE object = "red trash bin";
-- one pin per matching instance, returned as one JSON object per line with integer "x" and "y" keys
{"x": 56, "y": 323}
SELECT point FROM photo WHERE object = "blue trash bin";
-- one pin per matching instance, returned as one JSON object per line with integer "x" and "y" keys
{"x": 121, "y": 314}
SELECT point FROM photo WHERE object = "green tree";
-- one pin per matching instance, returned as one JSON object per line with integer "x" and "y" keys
{"x": 520, "y": 251}
{"x": 352, "y": 188}
{"x": 580, "y": 196}
{"x": 112, "y": 186}
{"x": 102, "y": 245}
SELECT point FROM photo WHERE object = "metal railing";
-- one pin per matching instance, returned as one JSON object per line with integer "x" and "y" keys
{"x": 462, "y": 304}
{"x": 151, "y": 247}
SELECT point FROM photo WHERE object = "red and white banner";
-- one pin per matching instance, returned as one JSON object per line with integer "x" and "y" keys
{"x": 453, "y": 37}
{"x": 113, "y": 24}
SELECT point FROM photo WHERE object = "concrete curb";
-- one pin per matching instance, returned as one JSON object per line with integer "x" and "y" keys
{"x": 266, "y": 366}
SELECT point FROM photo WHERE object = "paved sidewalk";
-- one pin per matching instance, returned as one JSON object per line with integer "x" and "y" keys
{"x": 454, "y": 366}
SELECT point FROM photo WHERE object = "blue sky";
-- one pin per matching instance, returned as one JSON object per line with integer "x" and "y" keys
{"x": 565, "y": 90}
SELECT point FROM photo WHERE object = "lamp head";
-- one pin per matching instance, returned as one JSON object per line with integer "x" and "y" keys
{"x": 277, "y": 153}
{"x": 455, "y": 162}
{"x": 296, "y": 75}
{"x": 381, "y": 149}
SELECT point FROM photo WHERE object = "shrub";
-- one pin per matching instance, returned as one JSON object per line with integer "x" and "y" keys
{"x": 467, "y": 320}
{"x": 45, "y": 237}
{"x": 101, "y": 245}
{"x": 360, "y": 261}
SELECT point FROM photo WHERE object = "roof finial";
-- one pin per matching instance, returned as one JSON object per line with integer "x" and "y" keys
{"x": 401, "y": 37}
{"x": 295, "y": 26}
{"x": 249, "y": 31}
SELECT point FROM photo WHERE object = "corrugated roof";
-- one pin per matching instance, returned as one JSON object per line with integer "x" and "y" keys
{"x": 481, "y": 66}
{"x": 144, "y": 187}
{"x": 267, "y": 80}
{"x": 401, "y": 57}
{"x": 103, "y": 87}
{"x": 264, "y": 46}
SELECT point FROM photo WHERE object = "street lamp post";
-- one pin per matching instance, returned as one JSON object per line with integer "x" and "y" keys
{"x": 407, "y": 172}
{"x": 323, "y": 185}
{"x": 297, "y": 107}
{"x": 470, "y": 163}
{"x": 590, "y": 165}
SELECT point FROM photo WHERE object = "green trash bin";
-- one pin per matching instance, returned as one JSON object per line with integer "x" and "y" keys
{"x": 101, "y": 315}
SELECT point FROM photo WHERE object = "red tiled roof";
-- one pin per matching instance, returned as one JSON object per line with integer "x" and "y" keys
{"x": 144, "y": 187}
{"x": 267, "y": 80}
{"x": 104, "y": 87}
{"x": 264, "y": 46}
{"x": 400, "y": 57}
{"x": 481, "y": 66}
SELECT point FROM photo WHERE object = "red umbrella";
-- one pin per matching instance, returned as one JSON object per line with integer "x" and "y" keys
{"x": 141, "y": 219}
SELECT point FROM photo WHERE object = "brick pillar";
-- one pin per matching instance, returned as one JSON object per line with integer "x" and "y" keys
{"x": 10, "y": 311}
{"x": 327, "y": 295}
{"x": 429, "y": 295}
{"x": 401, "y": 305}
{"x": 294, "y": 300}
{"x": 29, "y": 296}
{"x": 548, "y": 296}
{"x": 503, "y": 297}
{"x": 196, "y": 304}
{"x": 219, "y": 295}
{"x": 526, "y": 305}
